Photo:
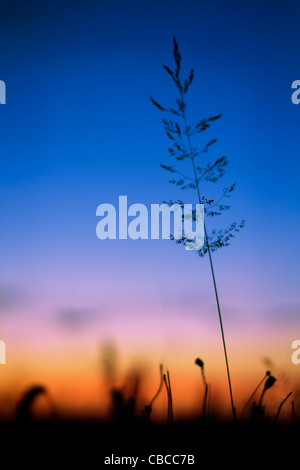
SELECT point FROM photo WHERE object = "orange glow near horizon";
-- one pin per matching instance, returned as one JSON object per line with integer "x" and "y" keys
{"x": 74, "y": 378}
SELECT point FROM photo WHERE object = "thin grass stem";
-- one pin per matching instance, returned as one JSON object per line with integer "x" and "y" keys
{"x": 280, "y": 406}
{"x": 211, "y": 266}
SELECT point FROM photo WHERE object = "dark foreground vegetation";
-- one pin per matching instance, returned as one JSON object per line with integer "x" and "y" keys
{"x": 254, "y": 439}
{"x": 61, "y": 444}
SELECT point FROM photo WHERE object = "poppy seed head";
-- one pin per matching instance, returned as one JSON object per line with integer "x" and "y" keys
{"x": 199, "y": 362}
{"x": 269, "y": 382}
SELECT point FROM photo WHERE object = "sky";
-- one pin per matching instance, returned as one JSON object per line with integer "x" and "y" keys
{"x": 79, "y": 130}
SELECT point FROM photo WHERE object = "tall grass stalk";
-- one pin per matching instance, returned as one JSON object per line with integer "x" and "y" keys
{"x": 180, "y": 137}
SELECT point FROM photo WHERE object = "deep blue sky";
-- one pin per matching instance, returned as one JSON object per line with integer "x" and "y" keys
{"x": 78, "y": 130}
